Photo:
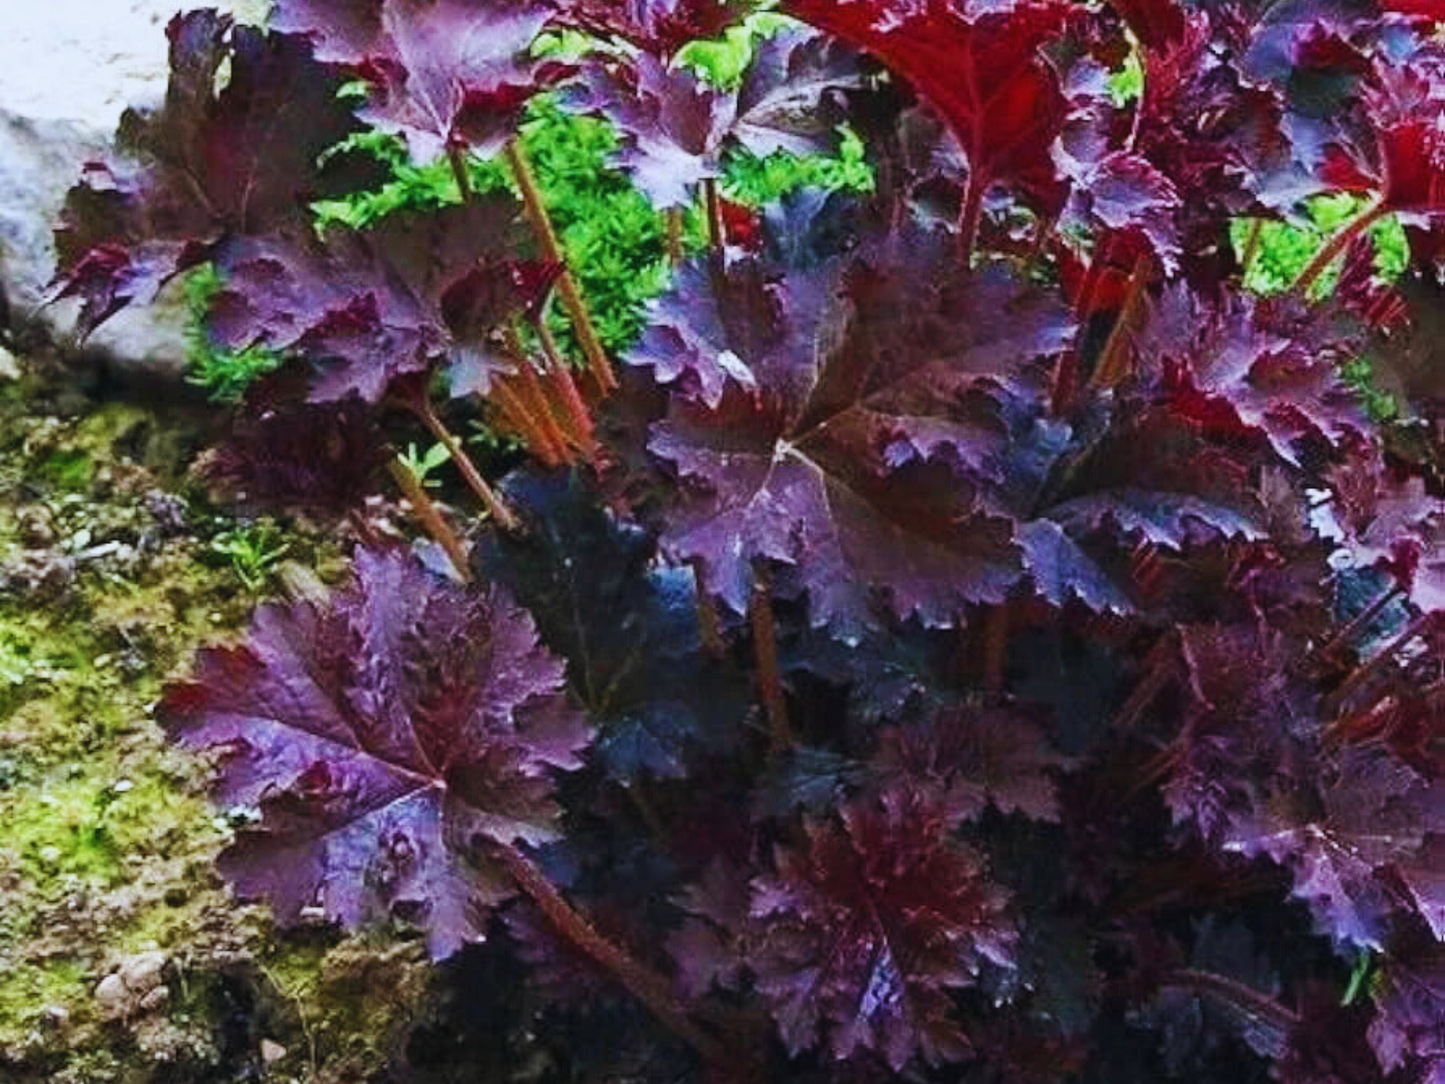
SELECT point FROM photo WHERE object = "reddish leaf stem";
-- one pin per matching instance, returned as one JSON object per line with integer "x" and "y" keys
{"x": 1241, "y": 996}
{"x": 709, "y": 624}
{"x": 1364, "y": 671}
{"x": 430, "y": 516}
{"x": 765, "y": 650}
{"x": 546, "y": 234}
{"x": 716, "y": 235}
{"x": 494, "y": 504}
{"x": 1111, "y": 366}
{"x": 1359, "y": 621}
{"x": 995, "y": 646}
{"x": 528, "y": 382}
{"x": 645, "y": 984}
{"x": 561, "y": 374}
{"x": 458, "y": 159}
{"x": 1251, "y": 246}
{"x": 970, "y": 215}
{"x": 675, "y": 253}
{"x": 1337, "y": 244}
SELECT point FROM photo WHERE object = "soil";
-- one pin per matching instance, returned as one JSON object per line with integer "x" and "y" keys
{"x": 123, "y": 958}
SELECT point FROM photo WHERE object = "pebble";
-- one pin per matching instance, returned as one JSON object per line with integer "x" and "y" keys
{"x": 134, "y": 987}
{"x": 271, "y": 1051}
{"x": 142, "y": 972}
{"x": 112, "y": 999}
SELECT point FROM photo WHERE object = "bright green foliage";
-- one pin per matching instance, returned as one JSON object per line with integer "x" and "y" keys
{"x": 1380, "y": 405}
{"x": 758, "y": 181}
{"x": 1127, "y": 83}
{"x": 225, "y": 374}
{"x": 1284, "y": 248}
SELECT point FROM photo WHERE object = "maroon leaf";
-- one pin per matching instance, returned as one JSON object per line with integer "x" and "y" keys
{"x": 383, "y": 732}
{"x": 982, "y": 71}
{"x": 967, "y": 759}
{"x": 370, "y": 307}
{"x": 675, "y": 127}
{"x": 659, "y": 27}
{"x": 848, "y": 416}
{"x": 1399, "y": 154}
{"x": 862, "y": 930}
{"x": 443, "y": 73}
{"x": 318, "y": 459}
{"x": 232, "y": 151}
{"x": 1377, "y": 813}
{"x": 1123, "y": 192}
{"x": 1410, "y": 1028}
{"x": 1233, "y": 365}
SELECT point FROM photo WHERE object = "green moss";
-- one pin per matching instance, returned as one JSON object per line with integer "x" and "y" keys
{"x": 69, "y": 470}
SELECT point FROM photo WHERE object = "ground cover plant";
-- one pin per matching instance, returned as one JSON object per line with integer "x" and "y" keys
{"x": 973, "y": 625}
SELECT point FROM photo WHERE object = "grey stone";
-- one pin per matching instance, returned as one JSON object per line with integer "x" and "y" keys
{"x": 155, "y": 999}
{"x": 142, "y": 972}
{"x": 113, "y": 999}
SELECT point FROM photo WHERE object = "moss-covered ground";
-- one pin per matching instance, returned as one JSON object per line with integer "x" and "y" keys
{"x": 113, "y": 569}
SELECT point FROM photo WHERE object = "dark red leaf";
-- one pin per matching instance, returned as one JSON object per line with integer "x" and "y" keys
{"x": 443, "y": 73}
{"x": 659, "y": 27}
{"x": 370, "y": 307}
{"x": 383, "y": 732}
{"x": 967, "y": 759}
{"x": 846, "y": 417}
{"x": 233, "y": 151}
{"x": 981, "y": 69}
{"x": 862, "y": 930}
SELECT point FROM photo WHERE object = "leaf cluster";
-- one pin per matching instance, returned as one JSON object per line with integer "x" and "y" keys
{"x": 961, "y": 628}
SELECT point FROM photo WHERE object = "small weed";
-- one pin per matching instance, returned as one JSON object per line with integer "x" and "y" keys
{"x": 253, "y": 552}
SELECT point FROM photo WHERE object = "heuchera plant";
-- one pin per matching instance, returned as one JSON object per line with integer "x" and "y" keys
{"x": 966, "y": 637}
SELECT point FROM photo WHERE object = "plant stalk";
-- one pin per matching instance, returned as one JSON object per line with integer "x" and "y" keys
{"x": 1251, "y": 246}
{"x": 716, "y": 233}
{"x": 430, "y": 516}
{"x": 496, "y": 507}
{"x": 1111, "y": 366}
{"x": 1337, "y": 244}
{"x": 1360, "y": 620}
{"x": 1241, "y": 996}
{"x": 970, "y": 216}
{"x": 458, "y": 159}
{"x": 765, "y": 651}
{"x": 579, "y": 418}
{"x": 673, "y": 218}
{"x": 546, "y": 234}
{"x": 709, "y": 624}
{"x": 1363, "y": 672}
{"x": 995, "y": 646}
{"x": 645, "y": 984}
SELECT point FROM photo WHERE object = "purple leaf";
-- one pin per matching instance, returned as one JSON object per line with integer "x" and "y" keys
{"x": 232, "y": 151}
{"x": 842, "y": 443}
{"x": 384, "y": 732}
{"x": 862, "y": 931}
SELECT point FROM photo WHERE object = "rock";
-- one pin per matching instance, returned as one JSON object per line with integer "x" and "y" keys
{"x": 134, "y": 987}
{"x": 142, "y": 972}
{"x": 113, "y": 1000}
{"x": 155, "y": 999}
{"x": 271, "y": 1052}
{"x": 114, "y": 55}
{"x": 9, "y": 366}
